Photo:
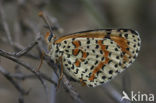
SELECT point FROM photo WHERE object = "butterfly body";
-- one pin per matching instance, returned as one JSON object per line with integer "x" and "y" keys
{"x": 96, "y": 56}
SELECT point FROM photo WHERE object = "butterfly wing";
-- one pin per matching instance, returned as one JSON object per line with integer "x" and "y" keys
{"x": 98, "y": 56}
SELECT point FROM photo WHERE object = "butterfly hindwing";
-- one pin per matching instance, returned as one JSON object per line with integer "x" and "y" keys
{"x": 97, "y": 56}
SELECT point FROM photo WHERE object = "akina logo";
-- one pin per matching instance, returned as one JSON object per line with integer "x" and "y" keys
{"x": 138, "y": 96}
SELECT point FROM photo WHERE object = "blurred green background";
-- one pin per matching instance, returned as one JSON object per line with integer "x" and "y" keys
{"x": 79, "y": 15}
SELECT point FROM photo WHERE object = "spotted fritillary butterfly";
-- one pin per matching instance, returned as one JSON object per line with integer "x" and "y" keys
{"x": 95, "y": 57}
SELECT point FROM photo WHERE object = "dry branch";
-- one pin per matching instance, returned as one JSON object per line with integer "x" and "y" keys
{"x": 23, "y": 21}
{"x": 7, "y": 75}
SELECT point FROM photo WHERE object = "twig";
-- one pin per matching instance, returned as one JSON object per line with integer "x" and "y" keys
{"x": 14, "y": 56}
{"x": 48, "y": 79}
{"x": 42, "y": 48}
{"x": 22, "y": 76}
{"x": 20, "y": 47}
{"x": 114, "y": 93}
{"x": 53, "y": 89}
{"x": 20, "y": 62}
{"x": 71, "y": 90}
{"x": 23, "y": 51}
{"x": 7, "y": 75}
{"x": 28, "y": 48}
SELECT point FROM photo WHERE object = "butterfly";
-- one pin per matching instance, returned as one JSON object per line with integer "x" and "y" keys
{"x": 95, "y": 57}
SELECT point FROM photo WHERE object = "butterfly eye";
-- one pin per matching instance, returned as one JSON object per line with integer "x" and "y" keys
{"x": 50, "y": 37}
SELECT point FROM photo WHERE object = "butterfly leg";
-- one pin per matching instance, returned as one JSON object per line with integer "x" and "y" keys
{"x": 82, "y": 82}
{"x": 41, "y": 62}
{"x": 61, "y": 73}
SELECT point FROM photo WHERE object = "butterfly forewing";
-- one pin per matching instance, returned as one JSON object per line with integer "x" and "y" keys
{"x": 97, "y": 56}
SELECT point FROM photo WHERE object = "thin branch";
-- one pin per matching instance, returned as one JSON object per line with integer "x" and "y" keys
{"x": 53, "y": 89}
{"x": 16, "y": 85}
{"x": 21, "y": 76}
{"x": 14, "y": 57}
{"x": 20, "y": 62}
{"x": 114, "y": 93}
{"x": 23, "y": 51}
{"x": 28, "y": 48}
{"x": 71, "y": 90}
{"x": 48, "y": 78}
{"x": 20, "y": 47}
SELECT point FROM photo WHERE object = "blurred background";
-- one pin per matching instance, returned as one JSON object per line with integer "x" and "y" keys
{"x": 73, "y": 16}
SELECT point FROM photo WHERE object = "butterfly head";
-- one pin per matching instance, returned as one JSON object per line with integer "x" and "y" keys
{"x": 49, "y": 37}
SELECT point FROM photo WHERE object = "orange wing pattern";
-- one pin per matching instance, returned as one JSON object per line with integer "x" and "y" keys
{"x": 97, "y": 56}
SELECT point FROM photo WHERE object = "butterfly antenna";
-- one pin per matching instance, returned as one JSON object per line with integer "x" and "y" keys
{"x": 46, "y": 21}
